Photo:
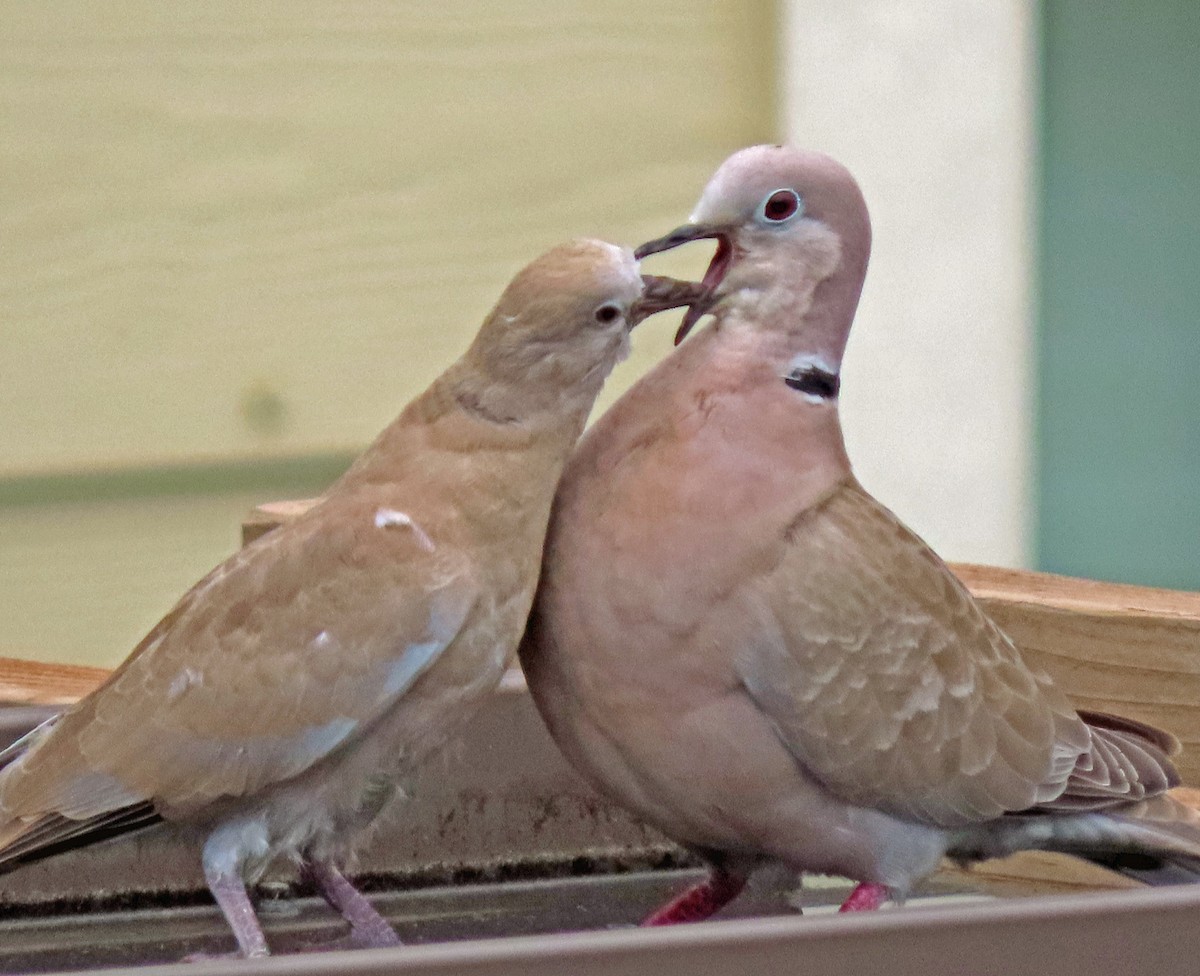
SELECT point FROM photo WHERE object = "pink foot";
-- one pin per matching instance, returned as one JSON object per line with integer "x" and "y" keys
{"x": 701, "y": 901}
{"x": 865, "y": 898}
{"x": 368, "y": 929}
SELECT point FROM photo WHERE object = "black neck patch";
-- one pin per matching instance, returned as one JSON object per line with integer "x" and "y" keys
{"x": 814, "y": 381}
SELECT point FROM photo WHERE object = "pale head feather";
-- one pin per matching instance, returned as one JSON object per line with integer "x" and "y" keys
{"x": 777, "y": 269}
{"x": 559, "y": 328}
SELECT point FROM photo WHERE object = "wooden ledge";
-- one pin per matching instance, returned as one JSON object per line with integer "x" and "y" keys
{"x": 263, "y": 518}
{"x": 1049, "y": 591}
{"x": 37, "y": 683}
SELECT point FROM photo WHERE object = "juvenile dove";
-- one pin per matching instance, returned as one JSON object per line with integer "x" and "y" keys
{"x": 271, "y": 711}
{"x": 736, "y": 641}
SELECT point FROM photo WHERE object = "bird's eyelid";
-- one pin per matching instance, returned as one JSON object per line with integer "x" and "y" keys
{"x": 780, "y": 205}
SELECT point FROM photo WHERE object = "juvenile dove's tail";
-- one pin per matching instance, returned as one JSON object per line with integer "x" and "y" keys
{"x": 24, "y": 840}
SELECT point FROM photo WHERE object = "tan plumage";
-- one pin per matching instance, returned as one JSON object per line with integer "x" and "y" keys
{"x": 899, "y": 693}
{"x": 736, "y": 640}
{"x": 275, "y": 706}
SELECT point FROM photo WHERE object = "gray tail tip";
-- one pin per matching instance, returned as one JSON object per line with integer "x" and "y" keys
{"x": 1150, "y": 869}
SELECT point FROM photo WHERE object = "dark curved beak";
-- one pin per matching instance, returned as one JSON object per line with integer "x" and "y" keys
{"x": 712, "y": 277}
{"x": 680, "y": 235}
{"x": 660, "y": 294}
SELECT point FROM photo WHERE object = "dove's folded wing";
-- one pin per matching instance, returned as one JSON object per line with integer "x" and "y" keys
{"x": 891, "y": 686}
{"x": 268, "y": 665}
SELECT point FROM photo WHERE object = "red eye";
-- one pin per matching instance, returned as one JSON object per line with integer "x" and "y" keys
{"x": 780, "y": 205}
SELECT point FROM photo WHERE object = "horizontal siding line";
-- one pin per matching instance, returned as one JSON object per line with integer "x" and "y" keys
{"x": 303, "y": 474}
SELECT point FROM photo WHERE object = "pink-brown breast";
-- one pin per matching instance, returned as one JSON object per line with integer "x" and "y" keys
{"x": 676, "y": 497}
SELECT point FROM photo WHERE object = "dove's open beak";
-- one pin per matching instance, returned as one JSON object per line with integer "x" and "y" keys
{"x": 660, "y": 294}
{"x": 712, "y": 277}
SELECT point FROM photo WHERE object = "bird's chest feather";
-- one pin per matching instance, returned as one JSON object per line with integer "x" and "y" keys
{"x": 705, "y": 501}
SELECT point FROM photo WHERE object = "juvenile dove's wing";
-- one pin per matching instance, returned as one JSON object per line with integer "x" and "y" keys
{"x": 282, "y": 655}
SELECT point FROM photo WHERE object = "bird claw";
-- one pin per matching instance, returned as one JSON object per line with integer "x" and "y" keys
{"x": 701, "y": 901}
{"x": 867, "y": 897}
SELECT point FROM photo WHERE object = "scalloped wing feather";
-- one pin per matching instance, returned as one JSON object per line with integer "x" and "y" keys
{"x": 889, "y": 683}
{"x": 275, "y": 660}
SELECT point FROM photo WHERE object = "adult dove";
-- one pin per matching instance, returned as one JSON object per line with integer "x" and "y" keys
{"x": 740, "y": 644}
{"x": 270, "y": 713}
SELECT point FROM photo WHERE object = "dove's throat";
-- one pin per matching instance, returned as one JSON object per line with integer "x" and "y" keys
{"x": 799, "y": 295}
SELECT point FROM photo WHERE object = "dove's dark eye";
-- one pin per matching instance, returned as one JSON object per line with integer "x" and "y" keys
{"x": 607, "y": 313}
{"x": 781, "y": 205}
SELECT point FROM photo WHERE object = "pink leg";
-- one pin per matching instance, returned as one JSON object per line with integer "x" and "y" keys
{"x": 865, "y": 898}
{"x": 368, "y": 929}
{"x": 700, "y": 901}
{"x": 231, "y": 897}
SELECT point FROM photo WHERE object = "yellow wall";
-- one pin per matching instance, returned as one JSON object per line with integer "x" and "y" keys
{"x": 243, "y": 230}
{"x": 233, "y": 229}
{"x": 83, "y": 581}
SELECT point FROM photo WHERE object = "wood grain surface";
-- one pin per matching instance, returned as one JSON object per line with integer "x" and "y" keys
{"x": 38, "y": 683}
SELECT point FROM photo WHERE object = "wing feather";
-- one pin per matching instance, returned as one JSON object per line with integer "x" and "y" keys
{"x": 277, "y": 659}
{"x": 891, "y": 685}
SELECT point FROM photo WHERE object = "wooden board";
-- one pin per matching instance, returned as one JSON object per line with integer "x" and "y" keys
{"x": 1127, "y": 649}
{"x": 250, "y": 230}
{"x": 38, "y": 683}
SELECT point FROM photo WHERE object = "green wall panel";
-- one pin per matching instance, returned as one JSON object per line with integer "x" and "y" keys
{"x": 1119, "y": 355}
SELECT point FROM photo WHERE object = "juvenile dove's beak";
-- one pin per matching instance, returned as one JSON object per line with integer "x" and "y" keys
{"x": 660, "y": 294}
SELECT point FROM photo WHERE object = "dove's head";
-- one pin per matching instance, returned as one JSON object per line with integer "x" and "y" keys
{"x": 793, "y": 239}
{"x": 561, "y": 325}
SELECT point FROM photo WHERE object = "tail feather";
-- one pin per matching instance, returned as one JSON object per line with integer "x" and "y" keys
{"x": 1128, "y": 762}
{"x": 25, "y": 840}
{"x": 1163, "y": 740}
{"x": 23, "y": 843}
{"x": 1157, "y": 872}
{"x": 1156, "y": 841}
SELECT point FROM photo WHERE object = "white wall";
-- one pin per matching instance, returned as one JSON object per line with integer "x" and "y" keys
{"x": 931, "y": 104}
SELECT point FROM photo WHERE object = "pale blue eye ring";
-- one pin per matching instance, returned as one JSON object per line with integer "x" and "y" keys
{"x": 780, "y": 206}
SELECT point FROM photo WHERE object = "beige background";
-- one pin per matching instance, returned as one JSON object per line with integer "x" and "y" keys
{"x": 241, "y": 229}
